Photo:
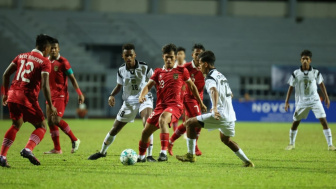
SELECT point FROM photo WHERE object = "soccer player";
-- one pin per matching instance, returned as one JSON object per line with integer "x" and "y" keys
{"x": 307, "y": 98}
{"x": 132, "y": 77}
{"x": 32, "y": 72}
{"x": 222, "y": 115}
{"x": 168, "y": 82}
{"x": 190, "y": 104}
{"x": 60, "y": 70}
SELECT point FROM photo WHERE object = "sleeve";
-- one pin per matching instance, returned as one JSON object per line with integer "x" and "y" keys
{"x": 292, "y": 80}
{"x": 15, "y": 60}
{"x": 186, "y": 74}
{"x": 318, "y": 76}
{"x": 68, "y": 69}
{"x": 120, "y": 78}
{"x": 46, "y": 66}
{"x": 209, "y": 83}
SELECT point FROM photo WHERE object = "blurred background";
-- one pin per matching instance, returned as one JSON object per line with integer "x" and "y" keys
{"x": 257, "y": 44}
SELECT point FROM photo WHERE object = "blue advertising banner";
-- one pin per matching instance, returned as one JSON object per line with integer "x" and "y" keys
{"x": 274, "y": 111}
{"x": 281, "y": 74}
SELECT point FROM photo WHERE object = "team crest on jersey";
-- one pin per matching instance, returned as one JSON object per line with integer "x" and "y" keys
{"x": 133, "y": 81}
{"x": 55, "y": 68}
{"x": 175, "y": 76}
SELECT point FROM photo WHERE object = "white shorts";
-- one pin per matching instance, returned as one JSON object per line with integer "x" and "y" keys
{"x": 302, "y": 111}
{"x": 210, "y": 123}
{"x": 128, "y": 112}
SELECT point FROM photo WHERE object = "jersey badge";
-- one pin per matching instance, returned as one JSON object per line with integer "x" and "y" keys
{"x": 175, "y": 76}
{"x": 133, "y": 81}
{"x": 55, "y": 68}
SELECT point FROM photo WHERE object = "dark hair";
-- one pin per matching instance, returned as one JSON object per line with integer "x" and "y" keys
{"x": 306, "y": 53}
{"x": 54, "y": 41}
{"x": 168, "y": 48}
{"x": 208, "y": 56}
{"x": 198, "y": 46}
{"x": 180, "y": 49}
{"x": 128, "y": 46}
{"x": 42, "y": 41}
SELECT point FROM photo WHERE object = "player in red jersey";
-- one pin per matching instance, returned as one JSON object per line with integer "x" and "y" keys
{"x": 32, "y": 71}
{"x": 168, "y": 82}
{"x": 60, "y": 70}
{"x": 191, "y": 106}
{"x": 180, "y": 60}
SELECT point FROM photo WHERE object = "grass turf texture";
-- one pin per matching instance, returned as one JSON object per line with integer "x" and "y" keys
{"x": 310, "y": 165}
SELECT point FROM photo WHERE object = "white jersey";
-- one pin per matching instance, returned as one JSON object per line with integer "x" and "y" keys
{"x": 133, "y": 80}
{"x": 224, "y": 104}
{"x": 305, "y": 85}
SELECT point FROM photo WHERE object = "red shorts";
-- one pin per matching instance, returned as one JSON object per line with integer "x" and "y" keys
{"x": 60, "y": 104}
{"x": 33, "y": 114}
{"x": 192, "y": 108}
{"x": 175, "y": 110}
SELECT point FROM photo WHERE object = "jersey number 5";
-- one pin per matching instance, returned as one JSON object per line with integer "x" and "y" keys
{"x": 29, "y": 67}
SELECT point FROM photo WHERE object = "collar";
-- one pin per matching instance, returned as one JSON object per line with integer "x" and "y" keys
{"x": 58, "y": 57}
{"x": 136, "y": 65}
{"x": 210, "y": 71}
{"x": 310, "y": 68}
{"x": 37, "y": 51}
{"x": 175, "y": 66}
{"x": 193, "y": 64}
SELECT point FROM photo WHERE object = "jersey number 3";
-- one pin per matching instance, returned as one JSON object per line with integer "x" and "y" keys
{"x": 29, "y": 67}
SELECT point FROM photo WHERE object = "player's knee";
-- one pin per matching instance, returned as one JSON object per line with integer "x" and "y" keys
{"x": 226, "y": 141}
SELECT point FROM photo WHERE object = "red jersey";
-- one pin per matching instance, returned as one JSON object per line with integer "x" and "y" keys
{"x": 26, "y": 83}
{"x": 168, "y": 84}
{"x": 197, "y": 77}
{"x": 60, "y": 69}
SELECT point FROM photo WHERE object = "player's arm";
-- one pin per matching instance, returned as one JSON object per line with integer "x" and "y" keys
{"x": 325, "y": 94}
{"x": 115, "y": 91}
{"x": 5, "y": 82}
{"x": 289, "y": 92}
{"x": 73, "y": 80}
{"x": 46, "y": 92}
{"x": 214, "y": 99}
{"x": 145, "y": 90}
{"x": 194, "y": 91}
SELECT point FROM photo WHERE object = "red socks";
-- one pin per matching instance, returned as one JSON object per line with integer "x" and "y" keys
{"x": 54, "y": 133}
{"x": 66, "y": 129}
{"x": 35, "y": 138}
{"x": 164, "y": 137}
{"x": 143, "y": 147}
{"x": 8, "y": 140}
{"x": 178, "y": 132}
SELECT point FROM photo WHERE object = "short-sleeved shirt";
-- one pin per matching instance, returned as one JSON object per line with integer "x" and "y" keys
{"x": 25, "y": 86}
{"x": 133, "y": 80}
{"x": 58, "y": 81}
{"x": 224, "y": 103}
{"x": 168, "y": 83}
{"x": 197, "y": 77}
{"x": 305, "y": 83}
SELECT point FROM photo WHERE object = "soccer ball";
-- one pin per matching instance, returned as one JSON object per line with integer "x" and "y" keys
{"x": 128, "y": 157}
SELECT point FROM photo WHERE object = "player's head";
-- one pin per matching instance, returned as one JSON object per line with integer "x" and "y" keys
{"x": 128, "y": 54}
{"x": 43, "y": 44}
{"x": 206, "y": 61}
{"x": 54, "y": 51}
{"x": 169, "y": 55}
{"x": 196, "y": 50}
{"x": 306, "y": 59}
{"x": 180, "y": 55}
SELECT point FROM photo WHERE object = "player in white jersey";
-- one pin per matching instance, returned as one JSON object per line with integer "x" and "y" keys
{"x": 305, "y": 81}
{"x": 132, "y": 77}
{"x": 222, "y": 116}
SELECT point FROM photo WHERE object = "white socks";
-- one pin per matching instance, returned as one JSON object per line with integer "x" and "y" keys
{"x": 107, "y": 142}
{"x": 150, "y": 147}
{"x": 241, "y": 155}
{"x": 328, "y": 136}
{"x": 292, "y": 136}
{"x": 191, "y": 143}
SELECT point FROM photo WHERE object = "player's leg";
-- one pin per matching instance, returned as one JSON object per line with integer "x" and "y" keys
{"x": 164, "y": 121}
{"x": 299, "y": 114}
{"x": 10, "y": 135}
{"x": 235, "y": 148}
{"x": 145, "y": 113}
{"x": 54, "y": 133}
{"x": 327, "y": 134}
{"x": 144, "y": 141}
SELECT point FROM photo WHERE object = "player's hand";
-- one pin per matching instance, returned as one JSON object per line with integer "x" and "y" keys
{"x": 4, "y": 100}
{"x": 81, "y": 99}
{"x": 327, "y": 102}
{"x": 216, "y": 113}
{"x": 53, "y": 111}
{"x": 142, "y": 99}
{"x": 286, "y": 106}
{"x": 203, "y": 108}
{"x": 111, "y": 101}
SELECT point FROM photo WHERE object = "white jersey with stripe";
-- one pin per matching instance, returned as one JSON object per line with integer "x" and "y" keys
{"x": 133, "y": 80}
{"x": 224, "y": 103}
{"x": 305, "y": 83}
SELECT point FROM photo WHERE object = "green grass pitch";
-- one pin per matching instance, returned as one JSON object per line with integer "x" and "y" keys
{"x": 310, "y": 165}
